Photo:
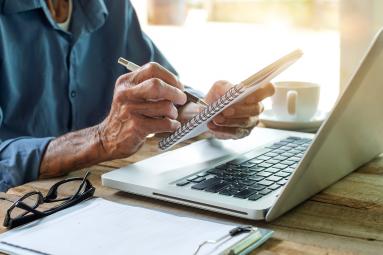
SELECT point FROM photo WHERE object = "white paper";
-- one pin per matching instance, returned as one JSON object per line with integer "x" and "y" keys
{"x": 98, "y": 226}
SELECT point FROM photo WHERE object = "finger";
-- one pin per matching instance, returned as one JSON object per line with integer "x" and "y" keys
{"x": 242, "y": 110}
{"x": 228, "y": 132}
{"x": 151, "y": 125}
{"x": 237, "y": 122}
{"x": 152, "y": 109}
{"x": 155, "y": 70}
{"x": 218, "y": 89}
{"x": 153, "y": 89}
{"x": 260, "y": 94}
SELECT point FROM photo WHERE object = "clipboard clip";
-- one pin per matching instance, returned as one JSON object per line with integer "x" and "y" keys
{"x": 232, "y": 233}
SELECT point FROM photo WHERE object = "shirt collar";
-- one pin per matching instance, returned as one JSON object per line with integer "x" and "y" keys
{"x": 12, "y": 6}
{"x": 93, "y": 13}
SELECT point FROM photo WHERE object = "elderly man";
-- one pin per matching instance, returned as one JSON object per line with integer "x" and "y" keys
{"x": 64, "y": 102}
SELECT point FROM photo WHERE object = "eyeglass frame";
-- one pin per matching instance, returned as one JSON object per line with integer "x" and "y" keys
{"x": 51, "y": 196}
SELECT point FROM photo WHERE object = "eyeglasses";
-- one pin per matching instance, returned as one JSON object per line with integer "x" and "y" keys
{"x": 25, "y": 209}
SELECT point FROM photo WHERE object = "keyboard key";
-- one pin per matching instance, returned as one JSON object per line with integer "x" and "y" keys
{"x": 238, "y": 161}
{"x": 256, "y": 161}
{"x": 288, "y": 170}
{"x": 282, "y": 182}
{"x": 217, "y": 187}
{"x": 264, "y": 174}
{"x": 274, "y": 178}
{"x": 283, "y": 149}
{"x": 256, "y": 178}
{"x": 273, "y": 147}
{"x": 301, "y": 148}
{"x": 265, "y": 182}
{"x": 229, "y": 191}
{"x": 214, "y": 171}
{"x": 245, "y": 193}
{"x": 223, "y": 166}
{"x": 295, "y": 151}
{"x": 272, "y": 161}
{"x": 280, "y": 166}
{"x": 287, "y": 154}
{"x": 203, "y": 174}
{"x": 279, "y": 151}
{"x": 263, "y": 157}
{"x": 299, "y": 142}
{"x": 247, "y": 182}
{"x": 288, "y": 162}
{"x": 272, "y": 170}
{"x": 247, "y": 164}
{"x": 191, "y": 178}
{"x": 255, "y": 197}
{"x": 271, "y": 154}
{"x": 279, "y": 157}
{"x": 265, "y": 191}
{"x": 258, "y": 187}
{"x": 205, "y": 184}
{"x": 182, "y": 183}
{"x": 293, "y": 138}
{"x": 283, "y": 174}
{"x": 256, "y": 168}
{"x": 275, "y": 186}
{"x": 198, "y": 179}
{"x": 295, "y": 159}
{"x": 265, "y": 165}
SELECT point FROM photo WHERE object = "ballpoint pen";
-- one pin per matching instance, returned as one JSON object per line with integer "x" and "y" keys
{"x": 190, "y": 97}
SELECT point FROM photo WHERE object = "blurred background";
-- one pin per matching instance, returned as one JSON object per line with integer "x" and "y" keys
{"x": 209, "y": 40}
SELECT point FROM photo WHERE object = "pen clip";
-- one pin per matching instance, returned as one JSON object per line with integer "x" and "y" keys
{"x": 232, "y": 233}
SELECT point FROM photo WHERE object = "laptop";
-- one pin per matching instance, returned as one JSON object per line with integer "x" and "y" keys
{"x": 271, "y": 171}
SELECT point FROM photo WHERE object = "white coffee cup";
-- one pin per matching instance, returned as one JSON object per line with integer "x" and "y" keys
{"x": 295, "y": 100}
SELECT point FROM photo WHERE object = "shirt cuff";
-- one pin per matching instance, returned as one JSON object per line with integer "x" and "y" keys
{"x": 20, "y": 160}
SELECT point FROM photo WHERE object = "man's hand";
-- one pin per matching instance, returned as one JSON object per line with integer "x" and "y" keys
{"x": 238, "y": 120}
{"x": 143, "y": 103}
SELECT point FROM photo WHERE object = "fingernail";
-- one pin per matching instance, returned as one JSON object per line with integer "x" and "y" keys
{"x": 243, "y": 132}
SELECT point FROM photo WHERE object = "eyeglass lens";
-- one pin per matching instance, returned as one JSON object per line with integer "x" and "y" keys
{"x": 31, "y": 200}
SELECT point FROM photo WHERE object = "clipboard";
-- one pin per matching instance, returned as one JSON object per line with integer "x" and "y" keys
{"x": 98, "y": 226}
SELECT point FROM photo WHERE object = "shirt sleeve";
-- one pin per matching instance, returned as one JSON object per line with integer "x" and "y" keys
{"x": 20, "y": 160}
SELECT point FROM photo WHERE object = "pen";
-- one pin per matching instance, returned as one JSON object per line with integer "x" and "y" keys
{"x": 133, "y": 67}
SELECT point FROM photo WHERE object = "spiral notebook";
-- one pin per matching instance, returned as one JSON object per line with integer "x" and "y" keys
{"x": 198, "y": 124}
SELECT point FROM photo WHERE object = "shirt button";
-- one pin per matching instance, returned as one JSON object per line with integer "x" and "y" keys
{"x": 73, "y": 93}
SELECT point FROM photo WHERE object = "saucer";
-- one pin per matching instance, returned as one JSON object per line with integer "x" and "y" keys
{"x": 270, "y": 120}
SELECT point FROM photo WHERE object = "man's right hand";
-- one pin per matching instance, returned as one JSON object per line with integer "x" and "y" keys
{"x": 143, "y": 103}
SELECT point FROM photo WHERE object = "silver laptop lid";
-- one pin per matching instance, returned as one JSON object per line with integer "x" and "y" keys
{"x": 351, "y": 136}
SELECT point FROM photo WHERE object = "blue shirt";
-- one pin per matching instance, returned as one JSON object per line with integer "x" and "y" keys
{"x": 53, "y": 82}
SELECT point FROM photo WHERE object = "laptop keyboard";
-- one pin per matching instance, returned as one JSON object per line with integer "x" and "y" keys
{"x": 252, "y": 177}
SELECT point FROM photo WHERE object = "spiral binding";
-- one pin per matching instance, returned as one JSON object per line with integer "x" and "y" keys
{"x": 200, "y": 118}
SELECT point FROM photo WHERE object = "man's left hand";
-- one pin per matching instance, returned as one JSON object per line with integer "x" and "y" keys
{"x": 238, "y": 120}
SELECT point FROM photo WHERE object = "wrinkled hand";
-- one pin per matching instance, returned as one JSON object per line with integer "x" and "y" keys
{"x": 238, "y": 120}
{"x": 143, "y": 103}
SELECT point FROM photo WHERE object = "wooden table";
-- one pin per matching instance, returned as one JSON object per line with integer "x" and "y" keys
{"x": 346, "y": 218}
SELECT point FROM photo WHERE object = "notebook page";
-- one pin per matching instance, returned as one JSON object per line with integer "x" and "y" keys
{"x": 98, "y": 226}
{"x": 245, "y": 88}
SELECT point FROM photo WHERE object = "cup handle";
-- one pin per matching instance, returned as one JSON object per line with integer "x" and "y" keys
{"x": 292, "y": 96}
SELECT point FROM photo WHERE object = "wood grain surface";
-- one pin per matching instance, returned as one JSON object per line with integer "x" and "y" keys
{"x": 345, "y": 218}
